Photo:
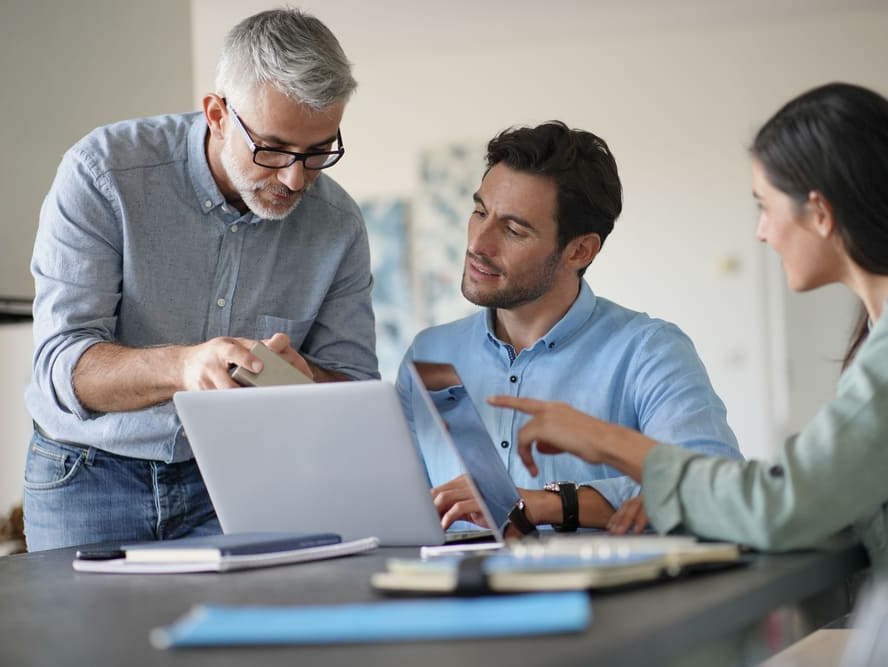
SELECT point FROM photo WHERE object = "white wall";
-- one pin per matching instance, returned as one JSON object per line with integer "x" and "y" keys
{"x": 676, "y": 87}
{"x": 67, "y": 67}
{"x": 15, "y": 350}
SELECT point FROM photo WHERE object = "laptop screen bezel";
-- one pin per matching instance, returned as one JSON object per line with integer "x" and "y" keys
{"x": 478, "y": 478}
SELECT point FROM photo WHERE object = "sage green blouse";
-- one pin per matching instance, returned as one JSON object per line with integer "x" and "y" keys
{"x": 833, "y": 475}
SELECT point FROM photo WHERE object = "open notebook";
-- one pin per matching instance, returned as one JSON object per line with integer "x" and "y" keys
{"x": 559, "y": 562}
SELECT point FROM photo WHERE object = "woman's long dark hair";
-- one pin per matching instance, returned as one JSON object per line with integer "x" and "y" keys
{"x": 834, "y": 140}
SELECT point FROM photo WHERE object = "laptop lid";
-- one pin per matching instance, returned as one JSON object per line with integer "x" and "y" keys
{"x": 334, "y": 457}
{"x": 459, "y": 424}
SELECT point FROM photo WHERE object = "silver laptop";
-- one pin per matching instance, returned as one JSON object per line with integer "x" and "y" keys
{"x": 334, "y": 457}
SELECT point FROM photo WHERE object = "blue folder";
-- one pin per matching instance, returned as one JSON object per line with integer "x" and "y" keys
{"x": 402, "y": 620}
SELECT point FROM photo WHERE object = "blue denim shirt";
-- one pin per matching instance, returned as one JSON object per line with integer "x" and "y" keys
{"x": 137, "y": 246}
{"x": 609, "y": 361}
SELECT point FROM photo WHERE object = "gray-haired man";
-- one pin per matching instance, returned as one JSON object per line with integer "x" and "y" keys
{"x": 166, "y": 247}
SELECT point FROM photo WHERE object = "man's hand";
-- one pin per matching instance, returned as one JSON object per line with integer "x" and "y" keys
{"x": 630, "y": 517}
{"x": 455, "y": 501}
{"x": 280, "y": 344}
{"x": 205, "y": 366}
{"x": 113, "y": 378}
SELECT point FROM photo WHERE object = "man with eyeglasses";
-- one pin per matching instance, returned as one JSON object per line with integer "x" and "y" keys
{"x": 167, "y": 246}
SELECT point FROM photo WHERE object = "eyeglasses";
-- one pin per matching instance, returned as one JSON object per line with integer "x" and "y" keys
{"x": 276, "y": 158}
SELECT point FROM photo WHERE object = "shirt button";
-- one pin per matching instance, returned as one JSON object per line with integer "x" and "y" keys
{"x": 775, "y": 471}
{"x": 208, "y": 204}
{"x": 234, "y": 227}
{"x": 220, "y": 303}
{"x": 551, "y": 345}
{"x": 504, "y": 444}
{"x": 513, "y": 378}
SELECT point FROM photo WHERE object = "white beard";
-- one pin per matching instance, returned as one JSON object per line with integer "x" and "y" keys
{"x": 249, "y": 190}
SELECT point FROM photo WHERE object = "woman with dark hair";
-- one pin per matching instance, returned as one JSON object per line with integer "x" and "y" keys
{"x": 820, "y": 177}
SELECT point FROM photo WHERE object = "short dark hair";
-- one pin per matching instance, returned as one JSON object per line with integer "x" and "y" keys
{"x": 590, "y": 196}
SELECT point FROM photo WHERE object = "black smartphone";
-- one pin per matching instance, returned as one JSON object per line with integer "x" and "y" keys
{"x": 99, "y": 554}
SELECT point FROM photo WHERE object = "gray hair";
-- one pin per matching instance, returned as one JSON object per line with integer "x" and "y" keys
{"x": 289, "y": 49}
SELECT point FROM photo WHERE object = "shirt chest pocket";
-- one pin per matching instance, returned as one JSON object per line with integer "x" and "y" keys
{"x": 297, "y": 330}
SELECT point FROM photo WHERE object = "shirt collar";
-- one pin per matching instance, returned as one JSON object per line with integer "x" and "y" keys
{"x": 206, "y": 191}
{"x": 573, "y": 319}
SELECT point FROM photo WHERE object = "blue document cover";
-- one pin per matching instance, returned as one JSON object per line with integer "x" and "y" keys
{"x": 403, "y": 620}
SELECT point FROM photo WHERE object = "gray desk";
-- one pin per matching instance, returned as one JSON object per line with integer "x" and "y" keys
{"x": 51, "y": 615}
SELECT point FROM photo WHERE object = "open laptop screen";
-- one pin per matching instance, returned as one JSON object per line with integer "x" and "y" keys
{"x": 458, "y": 421}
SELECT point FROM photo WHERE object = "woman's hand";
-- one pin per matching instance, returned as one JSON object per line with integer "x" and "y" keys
{"x": 556, "y": 427}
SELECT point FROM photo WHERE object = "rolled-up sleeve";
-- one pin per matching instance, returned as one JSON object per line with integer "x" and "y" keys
{"x": 77, "y": 274}
{"x": 661, "y": 478}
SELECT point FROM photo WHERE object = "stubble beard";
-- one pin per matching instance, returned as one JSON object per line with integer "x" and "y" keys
{"x": 249, "y": 189}
{"x": 528, "y": 286}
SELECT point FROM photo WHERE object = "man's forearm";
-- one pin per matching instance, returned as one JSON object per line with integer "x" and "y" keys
{"x": 112, "y": 378}
{"x": 545, "y": 507}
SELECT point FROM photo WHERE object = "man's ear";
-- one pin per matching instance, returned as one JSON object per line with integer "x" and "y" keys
{"x": 822, "y": 214}
{"x": 582, "y": 250}
{"x": 213, "y": 108}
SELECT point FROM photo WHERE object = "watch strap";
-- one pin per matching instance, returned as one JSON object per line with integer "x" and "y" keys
{"x": 570, "y": 506}
{"x": 519, "y": 519}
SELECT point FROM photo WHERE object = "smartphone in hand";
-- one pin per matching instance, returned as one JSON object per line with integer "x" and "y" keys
{"x": 275, "y": 371}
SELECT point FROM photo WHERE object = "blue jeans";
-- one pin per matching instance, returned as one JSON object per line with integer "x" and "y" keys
{"x": 80, "y": 495}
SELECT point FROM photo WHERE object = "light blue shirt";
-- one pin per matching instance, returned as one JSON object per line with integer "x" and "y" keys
{"x": 606, "y": 360}
{"x": 137, "y": 246}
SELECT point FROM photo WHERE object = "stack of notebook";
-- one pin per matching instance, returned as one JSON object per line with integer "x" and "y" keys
{"x": 218, "y": 553}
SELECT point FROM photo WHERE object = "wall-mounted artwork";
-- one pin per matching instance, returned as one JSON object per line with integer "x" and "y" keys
{"x": 417, "y": 250}
{"x": 388, "y": 231}
{"x": 450, "y": 175}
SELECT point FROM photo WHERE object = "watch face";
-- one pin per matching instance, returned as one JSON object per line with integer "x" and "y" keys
{"x": 556, "y": 486}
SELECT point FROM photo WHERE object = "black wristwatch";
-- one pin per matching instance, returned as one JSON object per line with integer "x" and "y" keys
{"x": 519, "y": 519}
{"x": 570, "y": 506}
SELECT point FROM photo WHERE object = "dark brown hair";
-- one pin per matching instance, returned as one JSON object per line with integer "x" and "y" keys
{"x": 590, "y": 195}
{"x": 834, "y": 140}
